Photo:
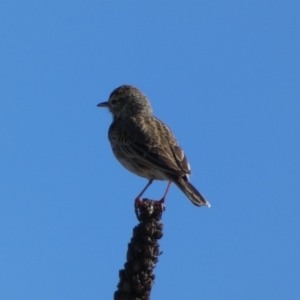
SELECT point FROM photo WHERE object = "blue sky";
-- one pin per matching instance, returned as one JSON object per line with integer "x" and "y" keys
{"x": 224, "y": 76}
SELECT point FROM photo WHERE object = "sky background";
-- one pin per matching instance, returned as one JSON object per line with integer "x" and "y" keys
{"x": 224, "y": 76}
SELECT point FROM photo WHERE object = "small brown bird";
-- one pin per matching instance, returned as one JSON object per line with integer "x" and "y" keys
{"x": 145, "y": 145}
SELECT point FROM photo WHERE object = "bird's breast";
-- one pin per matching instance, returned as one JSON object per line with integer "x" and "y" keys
{"x": 139, "y": 168}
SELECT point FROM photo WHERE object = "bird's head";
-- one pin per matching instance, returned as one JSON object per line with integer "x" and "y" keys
{"x": 126, "y": 101}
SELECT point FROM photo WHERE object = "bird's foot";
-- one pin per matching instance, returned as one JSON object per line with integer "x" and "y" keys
{"x": 141, "y": 204}
{"x": 161, "y": 202}
{"x": 138, "y": 203}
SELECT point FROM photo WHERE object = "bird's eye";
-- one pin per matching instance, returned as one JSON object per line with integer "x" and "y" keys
{"x": 113, "y": 102}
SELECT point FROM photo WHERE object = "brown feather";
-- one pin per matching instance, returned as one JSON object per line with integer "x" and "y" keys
{"x": 145, "y": 145}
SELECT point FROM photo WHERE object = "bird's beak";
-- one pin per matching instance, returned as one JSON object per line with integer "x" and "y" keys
{"x": 103, "y": 104}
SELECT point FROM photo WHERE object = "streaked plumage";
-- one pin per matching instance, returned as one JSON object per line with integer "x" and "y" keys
{"x": 145, "y": 145}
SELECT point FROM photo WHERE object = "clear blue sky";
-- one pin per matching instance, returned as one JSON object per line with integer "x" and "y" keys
{"x": 224, "y": 76}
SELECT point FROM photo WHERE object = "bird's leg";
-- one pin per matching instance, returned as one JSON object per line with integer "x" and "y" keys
{"x": 162, "y": 200}
{"x": 137, "y": 200}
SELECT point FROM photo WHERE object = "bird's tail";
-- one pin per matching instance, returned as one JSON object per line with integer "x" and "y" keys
{"x": 191, "y": 192}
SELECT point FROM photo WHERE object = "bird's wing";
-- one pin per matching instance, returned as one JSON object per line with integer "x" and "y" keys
{"x": 150, "y": 142}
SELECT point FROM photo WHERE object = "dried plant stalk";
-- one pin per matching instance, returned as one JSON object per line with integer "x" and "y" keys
{"x": 137, "y": 277}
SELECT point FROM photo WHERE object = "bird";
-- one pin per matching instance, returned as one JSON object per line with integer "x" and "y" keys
{"x": 145, "y": 145}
